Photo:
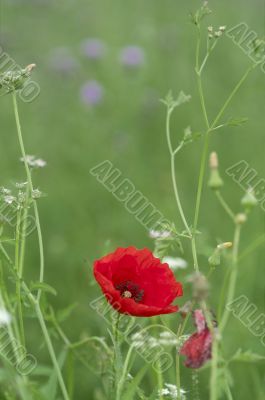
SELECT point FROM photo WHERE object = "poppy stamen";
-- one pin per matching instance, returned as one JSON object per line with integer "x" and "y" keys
{"x": 130, "y": 290}
{"x": 126, "y": 294}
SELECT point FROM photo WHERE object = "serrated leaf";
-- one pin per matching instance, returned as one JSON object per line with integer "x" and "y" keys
{"x": 171, "y": 103}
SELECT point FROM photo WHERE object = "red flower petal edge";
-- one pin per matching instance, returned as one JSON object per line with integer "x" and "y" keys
{"x": 137, "y": 283}
{"x": 198, "y": 348}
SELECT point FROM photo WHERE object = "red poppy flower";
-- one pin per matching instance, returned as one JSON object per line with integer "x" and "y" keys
{"x": 198, "y": 348}
{"x": 136, "y": 283}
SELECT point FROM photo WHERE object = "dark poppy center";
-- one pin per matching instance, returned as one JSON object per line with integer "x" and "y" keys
{"x": 131, "y": 290}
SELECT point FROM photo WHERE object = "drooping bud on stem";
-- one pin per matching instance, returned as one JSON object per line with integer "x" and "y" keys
{"x": 215, "y": 258}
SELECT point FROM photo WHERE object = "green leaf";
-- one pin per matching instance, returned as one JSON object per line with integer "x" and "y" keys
{"x": 49, "y": 390}
{"x": 133, "y": 386}
{"x": 236, "y": 121}
{"x": 65, "y": 313}
{"x": 44, "y": 287}
{"x": 171, "y": 103}
{"x": 247, "y": 356}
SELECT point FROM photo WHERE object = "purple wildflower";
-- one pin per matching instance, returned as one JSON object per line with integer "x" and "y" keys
{"x": 132, "y": 56}
{"x": 61, "y": 60}
{"x": 93, "y": 49}
{"x": 91, "y": 93}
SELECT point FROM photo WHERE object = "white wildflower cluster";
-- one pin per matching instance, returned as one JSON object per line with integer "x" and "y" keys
{"x": 165, "y": 339}
{"x": 218, "y": 33}
{"x": 7, "y": 196}
{"x": 36, "y": 194}
{"x": 5, "y": 317}
{"x": 171, "y": 392}
{"x": 33, "y": 161}
{"x": 159, "y": 234}
{"x": 175, "y": 262}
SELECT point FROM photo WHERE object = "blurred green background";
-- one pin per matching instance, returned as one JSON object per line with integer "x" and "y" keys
{"x": 128, "y": 127}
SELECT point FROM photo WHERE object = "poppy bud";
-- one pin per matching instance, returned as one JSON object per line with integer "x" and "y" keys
{"x": 215, "y": 181}
{"x": 249, "y": 200}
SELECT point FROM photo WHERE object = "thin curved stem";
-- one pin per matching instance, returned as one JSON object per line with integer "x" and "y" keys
{"x": 50, "y": 348}
{"x": 35, "y": 207}
{"x": 176, "y": 193}
{"x": 225, "y": 206}
{"x": 255, "y": 244}
{"x": 173, "y": 173}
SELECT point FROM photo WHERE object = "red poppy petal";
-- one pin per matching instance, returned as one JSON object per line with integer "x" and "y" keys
{"x": 156, "y": 282}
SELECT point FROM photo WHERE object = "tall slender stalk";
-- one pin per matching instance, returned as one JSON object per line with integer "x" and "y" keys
{"x": 173, "y": 174}
{"x": 28, "y": 173}
{"x": 19, "y": 262}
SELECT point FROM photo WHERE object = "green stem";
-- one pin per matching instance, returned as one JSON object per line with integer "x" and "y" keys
{"x": 225, "y": 205}
{"x": 178, "y": 383}
{"x": 173, "y": 173}
{"x": 23, "y": 231}
{"x": 175, "y": 188}
{"x": 233, "y": 277}
{"x": 201, "y": 180}
{"x": 202, "y": 100}
{"x": 206, "y": 145}
{"x": 50, "y": 347}
{"x": 18, "y": 282}
{"x": 230, "y": 296}
{"x": 124, "y": 373}
{"x": 230, "y": 97}
{"x": 253, "y": 246}
{"x": 35, "y": 207}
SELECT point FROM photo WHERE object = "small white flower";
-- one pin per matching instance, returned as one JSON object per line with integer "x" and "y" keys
{"x": 218, "y": 34}
{"x": 5, "y": 317}
{"x": 159, "y": 234}
{"x": 36, "y": 194}
{"x": 34, "y": 162}
{"x": 9, "y": 199}
{"x": 175, "y": 262}
{"x": 21, "y": 185}
{"x": 171, "y": 392}
{"x": 5, "y": 190}
{"x": 222, "y": 28}
{"x": 40, "y": 163}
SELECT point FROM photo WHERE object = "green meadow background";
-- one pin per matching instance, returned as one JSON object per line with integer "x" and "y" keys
{"x": 80, "y": 218}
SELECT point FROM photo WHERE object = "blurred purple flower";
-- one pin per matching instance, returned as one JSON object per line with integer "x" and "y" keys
{"x": 132, "y": 56}
{"x": 93, "y": 48}
{"x": 91, "y": 93}
{"x": 61, "y": 60}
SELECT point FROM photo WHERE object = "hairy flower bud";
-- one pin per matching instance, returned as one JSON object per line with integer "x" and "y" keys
{"x": 200, "y": 286}
{"x": 15, "y": 80}
{"x": 240, "y": 218}
{"x": 215, "y": 181}
{"x": 249, "y": 200}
